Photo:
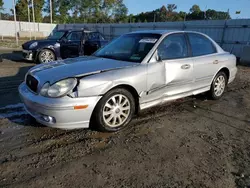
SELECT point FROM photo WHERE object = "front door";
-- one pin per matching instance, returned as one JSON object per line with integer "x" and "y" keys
{"x": 70, "y": 47}
{"x": 93, "y": 42}
{"x": 175, "y": 65}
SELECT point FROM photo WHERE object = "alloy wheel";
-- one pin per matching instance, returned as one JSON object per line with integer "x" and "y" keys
{"x": 116, "y": 110}
{"x": 47, "y": 56}
{"x": 219, "y": 85}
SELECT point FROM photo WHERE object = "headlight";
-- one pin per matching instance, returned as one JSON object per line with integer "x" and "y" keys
{"x": 33, "y": 45}
{"x": 58, "y": 89}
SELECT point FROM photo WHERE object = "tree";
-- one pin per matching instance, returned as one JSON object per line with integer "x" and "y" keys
{"x": 38, "y": 8}
{"x": 7, "y": 16}
{"x": 98, "y": 11}
{"x": 107, "y": 12}
{"x": 46, "y": 9}
{"x": 196, "y": 13}
{"x": 78, "y": 10}
{"x": 195, "y": 8}
{"x": 182, "y": 15}
{"x": 21, "y": 10}
{"x": 63, "y": 8}
{"x": 120, "y": 11}
{"x": 1, "y": 5}
{"x": 171, "y": 7}
{"x": 217, "y": 15}
{"x": 1, "y": 8}
{"x": 131, "y": 18}
{"x": 163, "y": 14}
{"x": 171, "y": 15}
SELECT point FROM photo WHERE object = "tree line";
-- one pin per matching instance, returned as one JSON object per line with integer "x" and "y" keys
{"x": 169, "y": 13}
{"x": 104, "y": 11}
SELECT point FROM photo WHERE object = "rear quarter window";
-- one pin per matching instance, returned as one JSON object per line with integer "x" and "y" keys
{"x": 201, "y": 45}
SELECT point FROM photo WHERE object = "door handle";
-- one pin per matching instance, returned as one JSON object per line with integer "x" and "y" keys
{"x": 216, "y": 62}
{"x": 186, "y": 66}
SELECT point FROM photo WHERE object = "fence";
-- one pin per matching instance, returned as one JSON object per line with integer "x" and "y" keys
{"x": 230, "y": 34}
{"x": 7, "y": 28}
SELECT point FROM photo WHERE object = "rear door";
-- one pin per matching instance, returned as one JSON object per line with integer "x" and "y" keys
{"x": 206, "y": 59}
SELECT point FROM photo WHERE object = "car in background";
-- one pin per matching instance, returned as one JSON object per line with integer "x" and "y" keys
{"x": 63, "y": 44}
{"x": 133, "y": 72}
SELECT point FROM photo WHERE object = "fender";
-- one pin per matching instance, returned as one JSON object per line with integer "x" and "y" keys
{"x": 54, "y": 48}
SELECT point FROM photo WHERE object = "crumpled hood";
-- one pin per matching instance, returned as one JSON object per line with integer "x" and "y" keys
{"x": 76, "y": 67}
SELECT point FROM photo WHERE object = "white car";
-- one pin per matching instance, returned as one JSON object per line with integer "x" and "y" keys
{"x": 134, "y": 72}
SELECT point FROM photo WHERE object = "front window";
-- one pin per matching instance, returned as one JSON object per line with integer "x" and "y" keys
{"x": 56, "y": 35}
{"x": 131, "y": 47}
{"x": 173, "y": 46}
{"x": 75, "y": 36}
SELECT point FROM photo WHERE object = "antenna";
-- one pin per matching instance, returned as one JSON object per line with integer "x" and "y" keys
{"x": 231, "y": 51}
{"x": 205, "y": 13}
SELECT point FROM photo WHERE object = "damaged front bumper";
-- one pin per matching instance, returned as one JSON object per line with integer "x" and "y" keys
{"x": 58, "y": 112}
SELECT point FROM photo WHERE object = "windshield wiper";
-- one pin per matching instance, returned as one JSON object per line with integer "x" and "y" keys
{"x": 113, "y": 57}
{"x": 108, "y": 57}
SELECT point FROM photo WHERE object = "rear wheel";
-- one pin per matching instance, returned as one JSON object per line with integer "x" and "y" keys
{"x": 115, "y": 110}
{"x": 46, "y": 56}
{"x": 218, "y": 86}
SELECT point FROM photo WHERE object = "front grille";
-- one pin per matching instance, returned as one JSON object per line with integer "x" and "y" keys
{"x": 32, "y": 83}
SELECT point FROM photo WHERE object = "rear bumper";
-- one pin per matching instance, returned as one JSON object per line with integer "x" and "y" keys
{"x": 60, "y": 112}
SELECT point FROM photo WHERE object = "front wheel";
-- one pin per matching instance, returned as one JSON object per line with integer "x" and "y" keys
{"x": 218, "y": 86}
{"x": 46, "y": 56}
{"x": 115, "y": 110}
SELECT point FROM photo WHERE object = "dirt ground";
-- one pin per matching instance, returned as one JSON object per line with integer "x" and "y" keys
{"x": 190, "y": 143}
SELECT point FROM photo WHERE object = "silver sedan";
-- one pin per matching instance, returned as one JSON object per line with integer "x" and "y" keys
{"x": 134, "y": 72}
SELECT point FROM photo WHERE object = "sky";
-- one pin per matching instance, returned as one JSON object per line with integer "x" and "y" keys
{"x": 137, "y": 6}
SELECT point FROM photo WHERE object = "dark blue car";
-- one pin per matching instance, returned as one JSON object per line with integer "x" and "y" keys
{"x": 63, "y": 44}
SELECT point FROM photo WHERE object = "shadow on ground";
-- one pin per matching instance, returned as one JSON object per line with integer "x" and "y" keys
{"x": 9, "y": 96}
{"x": 15, "y": 56}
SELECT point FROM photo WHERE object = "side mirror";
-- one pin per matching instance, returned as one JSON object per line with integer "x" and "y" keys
{"x": 158, "y": 56}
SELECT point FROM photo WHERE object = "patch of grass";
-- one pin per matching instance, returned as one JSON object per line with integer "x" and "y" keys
{"x": 10, "y": 42}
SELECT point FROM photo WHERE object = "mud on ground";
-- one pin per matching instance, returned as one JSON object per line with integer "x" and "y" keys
{"x": 193, "y": 142}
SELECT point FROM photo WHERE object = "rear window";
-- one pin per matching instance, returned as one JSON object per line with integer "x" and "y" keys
{"x": 94, "y": 36}
{"x": 201, "y": 45}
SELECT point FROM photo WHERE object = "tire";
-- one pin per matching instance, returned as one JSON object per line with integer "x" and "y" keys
{"x": 119, "y": 107}
{"x": 46, "y": 56}
{"x": 218, "y": 86}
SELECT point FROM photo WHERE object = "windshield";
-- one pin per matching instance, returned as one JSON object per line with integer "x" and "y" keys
{"x": 131, "y": 47}
{"x": 56, "y": 35}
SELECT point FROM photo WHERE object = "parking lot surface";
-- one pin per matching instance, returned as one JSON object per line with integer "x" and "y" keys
{"x": 192, "y": 142}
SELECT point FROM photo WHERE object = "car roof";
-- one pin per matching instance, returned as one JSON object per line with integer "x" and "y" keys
{"x": 162, "y": 32}
{"x": 64, "y": 30}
